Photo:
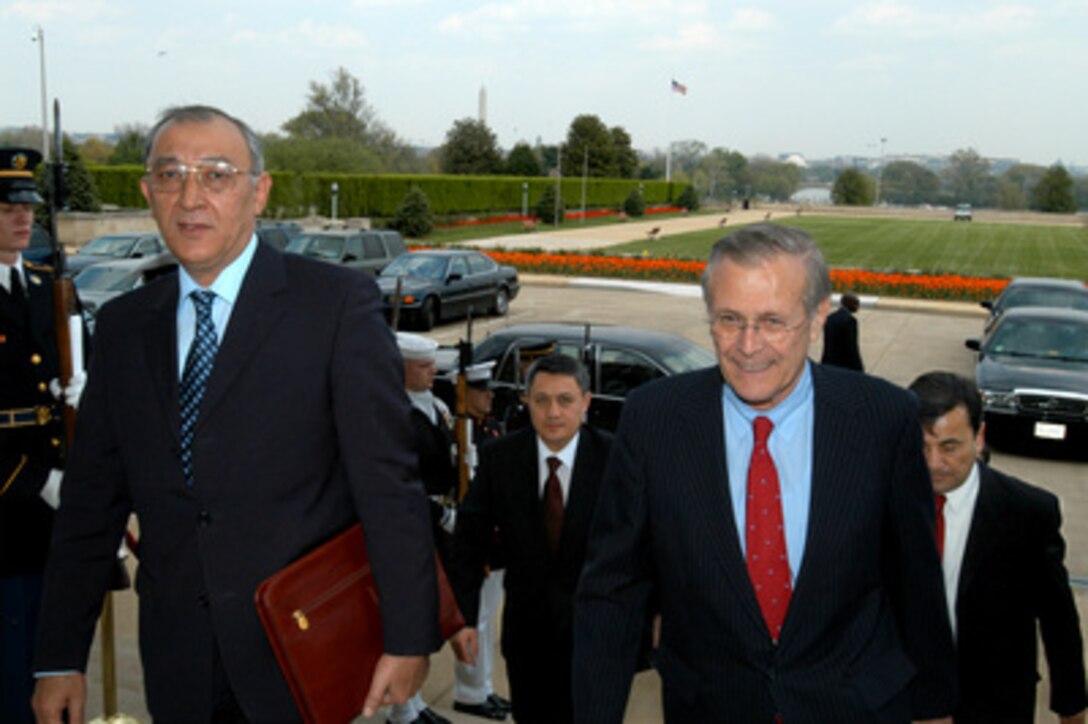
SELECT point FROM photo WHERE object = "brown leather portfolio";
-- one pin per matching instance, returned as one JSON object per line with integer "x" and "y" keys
{"x": 322, "y": 618}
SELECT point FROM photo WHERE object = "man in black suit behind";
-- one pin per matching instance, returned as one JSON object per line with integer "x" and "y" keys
{"x": 538, "y": 487}
{"x": 778, "y": 515}
{"x": 841, "y": 335}
{"x": 301, "y": 429}
{"x": 1002, "y": 555}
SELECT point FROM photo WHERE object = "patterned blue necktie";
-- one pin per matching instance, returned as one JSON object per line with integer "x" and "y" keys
{"x": 198, "y": 366}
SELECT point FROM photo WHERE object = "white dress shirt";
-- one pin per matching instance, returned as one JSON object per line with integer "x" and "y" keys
{"x": 564, "y": 472}
{"x": 6, "y": 270}
{"x": 959, "y": 509}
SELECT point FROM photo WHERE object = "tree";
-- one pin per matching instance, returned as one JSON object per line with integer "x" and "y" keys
{"x": 721, "y": 174}
{"x": 688, "y": 199}
{"x": 774, "y": 179}
{"x": 95, "y": 150}
{"x": 414, "y": 216}
{"x": 546, "y": 207}
{"x": 853, "y": 188}
{"x": 1080, "y": 190}
{"x": 634, "y": 205}
{"x": 521, "y": 161}
{"x": 624, "y": 158}
{"x": 129, "y": 149}
{"x": 1054, "y": 192}
{"x": 326, "y": 155}
{"x": 471, "y": 148}
{"x": 1010, "y": 197}
{"x": 967, "y": 177}
{"x": 337, "y": 110}
{"x": 909, "y": 183}
{"x": 589, "y": 145}
{"x": 80, "y": 193}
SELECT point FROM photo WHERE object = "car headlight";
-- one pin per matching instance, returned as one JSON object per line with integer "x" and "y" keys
{"x": 999, "y": 399}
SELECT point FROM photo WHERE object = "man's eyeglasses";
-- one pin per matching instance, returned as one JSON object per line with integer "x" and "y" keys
{"x": 213, "y": 176}
{"x": 772, "y": 329}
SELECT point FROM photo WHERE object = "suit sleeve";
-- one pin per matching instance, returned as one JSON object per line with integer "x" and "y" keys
{"x": 474, "y": 537}
{"x": 1059, "y": 623}
{"x": 616, "y": 584}
{"x": 376, "y": 442}
{"x": 918, "y": 592}
{"x": 89, "y": 526}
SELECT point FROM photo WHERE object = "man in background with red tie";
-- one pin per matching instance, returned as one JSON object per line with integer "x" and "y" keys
{"x": 538, "y": 487}
{"x": 777, "y": 513}
{"x": 1002, "y": 554}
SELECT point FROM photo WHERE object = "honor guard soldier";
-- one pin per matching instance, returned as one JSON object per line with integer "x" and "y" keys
{"x": 432, "y": 423}
{"x": 473, "y": 691}
{"x": 31, "y": 429}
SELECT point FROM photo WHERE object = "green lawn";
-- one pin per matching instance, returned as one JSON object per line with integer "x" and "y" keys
{"x": 973, "y": 249}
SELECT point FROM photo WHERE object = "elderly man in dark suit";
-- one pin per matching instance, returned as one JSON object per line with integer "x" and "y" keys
{"x": 246, "y": 410}
{"x": 534, "y": 493}
{"x": 1002, "y": 553}
{"x": 841, "y": 335}
{"x": 778, "y": 515}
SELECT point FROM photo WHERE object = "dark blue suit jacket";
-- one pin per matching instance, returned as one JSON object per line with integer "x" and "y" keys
{"x": 304, "y": 429}
{"x": 866, "y": 636}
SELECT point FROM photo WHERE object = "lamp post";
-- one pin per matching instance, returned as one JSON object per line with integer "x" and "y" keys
{"x": 335, "y": 198}
{"x": 39, "y": 38}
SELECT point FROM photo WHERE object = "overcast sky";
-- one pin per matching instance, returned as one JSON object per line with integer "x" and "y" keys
{"x": 818, "y": 77}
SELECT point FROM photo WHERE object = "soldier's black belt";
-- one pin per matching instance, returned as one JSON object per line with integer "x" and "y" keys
{"x": 26, "y": 417}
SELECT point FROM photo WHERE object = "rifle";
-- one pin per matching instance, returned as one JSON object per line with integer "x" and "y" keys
{"x": 463, "y": 424}
{"x": 68, "y": 323}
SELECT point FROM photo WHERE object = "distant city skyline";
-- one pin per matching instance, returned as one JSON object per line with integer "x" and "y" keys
{"x": 822, "y": 79}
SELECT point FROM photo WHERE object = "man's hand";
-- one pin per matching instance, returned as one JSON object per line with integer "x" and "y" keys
{"x": 466, "y": 645}
{"x": 55, "y": 695}
{"x": 396, "y": 679}
{"x": 1077, "y": 718}
{"x": 71, "y": 392}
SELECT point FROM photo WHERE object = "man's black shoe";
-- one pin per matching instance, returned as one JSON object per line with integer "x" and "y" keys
{"x": 486, "y": 709}
{"x": 429, "y": 716}
{"x": 498, "y": 701}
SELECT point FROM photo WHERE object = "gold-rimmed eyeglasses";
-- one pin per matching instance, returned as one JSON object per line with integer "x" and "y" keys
{"x": 771, "y": 329}
{"x": 213, "y": 176}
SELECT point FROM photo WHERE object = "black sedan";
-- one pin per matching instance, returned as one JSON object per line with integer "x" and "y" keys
{"x": 115, "y": 246}
{"x": 1033, "y": 374}
{"x": 441, "y": 284}
{"x": 1037, "y": 292}
{"x": 618, "y": 358}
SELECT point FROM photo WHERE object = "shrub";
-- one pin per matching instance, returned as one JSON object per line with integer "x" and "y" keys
{"x": 546, "y": 207}
{"x": 414, "y": 217}
{"x": 634, "y": 205}
{"x": 688, "y": 199}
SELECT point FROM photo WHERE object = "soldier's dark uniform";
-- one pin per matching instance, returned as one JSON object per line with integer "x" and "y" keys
{"x": 31, "y": 435}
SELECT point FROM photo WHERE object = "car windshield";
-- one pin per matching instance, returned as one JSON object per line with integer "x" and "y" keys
{"x": 1043, "y": 339}
{"x": 117, "y": 247}
{"x": 416, "y": 265}
{"x": 104, "y": 278}
{"x": 321, "y": 246}
{"x": 1045, "y": 297}
{"x": 686, "y": 358}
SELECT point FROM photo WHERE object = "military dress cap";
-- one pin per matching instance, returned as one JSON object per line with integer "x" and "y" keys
{"x": 17, "y": 176}
{"x": 533, "y": 352}
{"x": 477, "y": 375}
{"x": 416, "y": 347}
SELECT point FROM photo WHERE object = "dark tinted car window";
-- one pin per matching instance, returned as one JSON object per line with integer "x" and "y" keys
{"x": 622, "y": 371}
{"x": 477, "y": 263}
{"x": 373, "y": 247}
{"x": 457, "y": 266}
{"x": 355, "y": 246}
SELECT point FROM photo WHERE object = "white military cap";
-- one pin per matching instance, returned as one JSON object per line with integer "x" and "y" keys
{"x": 479, "y": 374}
{"x": 416, "y": 347}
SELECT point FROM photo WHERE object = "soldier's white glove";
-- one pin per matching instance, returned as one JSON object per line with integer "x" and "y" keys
{"x": 449, "y": 519}
{"x": 51, "y": 490}
{"x": 71, "y": 392}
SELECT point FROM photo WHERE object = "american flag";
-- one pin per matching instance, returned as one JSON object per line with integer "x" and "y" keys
{"x": 679, "y": 87}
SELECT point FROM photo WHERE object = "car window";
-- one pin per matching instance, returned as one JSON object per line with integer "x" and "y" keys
{"x": 1040, "y": 297}
{"x": 622, "y": 371}
{"x": 115, "y": 246}
{"x": 147, "y": 247}
{"x": 321, "y": 246}
{"x": 478, "y": 263}
{"x": 458, "y": 266}
{"x": 512, "y": 368}
{"x": 104, "y": 278}
{"x": 416, "y": 265}
{"x": 355, "y": 246}
{"x": 373, "y": 247}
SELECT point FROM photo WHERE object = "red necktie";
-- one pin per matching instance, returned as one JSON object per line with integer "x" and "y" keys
{"x": 553, "y": 503}
{"x": 768, "y": 564}
{"x": 940, "y": 524}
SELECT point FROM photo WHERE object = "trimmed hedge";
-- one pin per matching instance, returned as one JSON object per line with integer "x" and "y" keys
{"x": 380, "y": 195}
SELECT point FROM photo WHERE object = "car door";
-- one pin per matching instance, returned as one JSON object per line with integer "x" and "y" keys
{"x": 375, "y": 255}
{"x": 353, "y": 253}
{"x": 615, "y": 372}
{"x": 457, "y": 292}
{"x": 483, "y": 282}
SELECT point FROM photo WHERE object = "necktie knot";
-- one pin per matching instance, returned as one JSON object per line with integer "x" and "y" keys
{"x": 762, "y": 426}
{"x": 941, "y": 499}
{"x": 553, "y": 464}
{"x": 203, "y": 301}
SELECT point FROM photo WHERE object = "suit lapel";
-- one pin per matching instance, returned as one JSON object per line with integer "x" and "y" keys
{"x": 159, "y": 333}
{"x": 583, "y": 490}
{"x": 256, "y": 311}
{"x": 985, "y": 526}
